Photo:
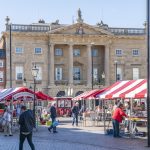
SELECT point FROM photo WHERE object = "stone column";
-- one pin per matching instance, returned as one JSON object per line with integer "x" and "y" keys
{"x": 106, "y": 65}
{"x": 70, "y": 64}
{"x": 89, "y": 66}
{"x": 52, "y": 71}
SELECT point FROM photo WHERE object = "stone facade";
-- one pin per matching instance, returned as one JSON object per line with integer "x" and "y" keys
{"x": 83, "y": 37}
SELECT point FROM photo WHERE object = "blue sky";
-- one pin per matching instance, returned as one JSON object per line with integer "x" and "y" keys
{"x": 115, "y": 13}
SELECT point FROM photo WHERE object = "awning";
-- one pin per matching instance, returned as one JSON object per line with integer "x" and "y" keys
{"x": 124, "y": 89}
{"x": 22, "y": 93}
{"x": 16, "y": 93}
{"x": 142, "y": 94}
{"x": 88, "y": 95}
{"x": 43, "y": 96}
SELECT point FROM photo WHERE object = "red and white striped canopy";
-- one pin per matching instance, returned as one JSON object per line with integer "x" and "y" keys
{"x": 88, "y": 95}
{"x": 124, "y": 89}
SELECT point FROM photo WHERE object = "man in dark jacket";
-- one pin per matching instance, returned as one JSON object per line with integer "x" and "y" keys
{"x": 53, "y": 117}
{"x": 75, "y": 113}
{"x": 26, "y": 121}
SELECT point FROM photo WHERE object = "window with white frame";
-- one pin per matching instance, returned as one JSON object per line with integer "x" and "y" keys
{"x": 38, "y": 50}
{"x": 1, "y": 76}
{"x": 94, "y": 52}
{"x": 135, "y": 73}
{"x": 19, "y": 72}
{"x": 76, "y": 52}
{"x": 76, "y": 73}
{"x": 95, "y": 74}
{"x": 119, "y": 74}
{"x": 58, "y": 52}
{"x": 39, "y": 74}
{"x": 19, "y": 50}
{"x": 58, "y": 73}
{"x": 1, "y": 63}
{"x": 135, "y": 52}
{"x": 119, "y": 52}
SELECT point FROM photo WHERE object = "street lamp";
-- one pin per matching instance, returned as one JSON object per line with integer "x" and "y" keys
{"x": 35, "y": 71}
{"x": 116, "y": 66}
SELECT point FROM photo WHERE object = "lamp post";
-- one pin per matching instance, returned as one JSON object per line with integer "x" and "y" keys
{"x": 35, "y": 71}
{"x": 116, "y": 66}
{"x": 8, "y": 27}
{"x": 92, "y": 44}
{"x": 148, "y": 73}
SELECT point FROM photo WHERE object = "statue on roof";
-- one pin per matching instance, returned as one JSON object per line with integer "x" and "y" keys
{"x": 102, "y": 25}
{"x": 56, "y": 22}
{"x": 79, "y": 19}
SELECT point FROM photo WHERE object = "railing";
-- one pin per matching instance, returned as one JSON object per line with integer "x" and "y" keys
{"x": 45, "y": 28}
{"x": 128, "y": 31}
{"x": 61, "y": 82}
{"x": 80, "y": 82}
{"x": 29, "y": 28}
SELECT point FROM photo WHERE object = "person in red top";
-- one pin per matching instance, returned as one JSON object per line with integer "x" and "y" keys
{"x": 117, "y": 117}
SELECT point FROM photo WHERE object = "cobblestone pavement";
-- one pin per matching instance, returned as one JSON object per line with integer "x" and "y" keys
{"x": 73, "y": 138}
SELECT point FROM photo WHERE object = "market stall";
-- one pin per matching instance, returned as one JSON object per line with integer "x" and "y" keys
{"x": 64, "y": 105}
{"x": 128, "y": 90}
{"x": 92, "y": 111}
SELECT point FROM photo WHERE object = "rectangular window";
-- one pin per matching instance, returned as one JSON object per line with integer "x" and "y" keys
{"x": 76, "y": 73}
{"x": 76, "y": 52}
{"x": 1, "y": 63}
{"x": 19, "y": 72}
{"x": 135, "y": 52}
{"x": 39, "y": 75}
{"x": 95, "y": 74}
{"x": 19, "y": 50}
{"x": 2, "y": 53}
{"x": 135, "y": 73}
{"x": 94, "y": 52}
{"x": 1, "y": 76}
{"x": 38, "y": 50}
{"x": 119, "y": 74}
{"x": 118, "y": 52}
{"x": 58, "y": 74}
{"x": 58, "y": 52}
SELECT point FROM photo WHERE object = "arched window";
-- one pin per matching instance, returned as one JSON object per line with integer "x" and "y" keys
{"x": 78, "y": 93}
{"x": 60, "y": 94}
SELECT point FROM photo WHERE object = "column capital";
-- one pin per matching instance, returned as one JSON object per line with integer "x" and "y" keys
{"x": 70, "y": 44}
{"x": 51, "y": 44}
{"x": 89, "y": 45}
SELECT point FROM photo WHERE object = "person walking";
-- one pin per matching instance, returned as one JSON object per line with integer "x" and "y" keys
{"x": 53, "y": 117}
{"x": 7, "y": 117}
{"x": 26, "y": 122}
{"x": 117, "y": 117}
{"x": 75, "y": 113}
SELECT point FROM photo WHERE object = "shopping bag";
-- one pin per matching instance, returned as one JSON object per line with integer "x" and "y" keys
{"x": 55, "y": 123}
{"x": 4, "y": 122}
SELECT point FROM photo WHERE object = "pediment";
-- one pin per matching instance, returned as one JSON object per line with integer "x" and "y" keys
{"x": 81, "y": 29}
{"x": 77, "y": 63}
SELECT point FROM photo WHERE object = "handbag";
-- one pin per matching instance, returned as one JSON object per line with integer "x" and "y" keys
{"x": 55, "y": 123}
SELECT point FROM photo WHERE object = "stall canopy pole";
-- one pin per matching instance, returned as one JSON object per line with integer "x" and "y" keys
{"x": 148, "y": 74}
{"x": 104, "y": 116}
